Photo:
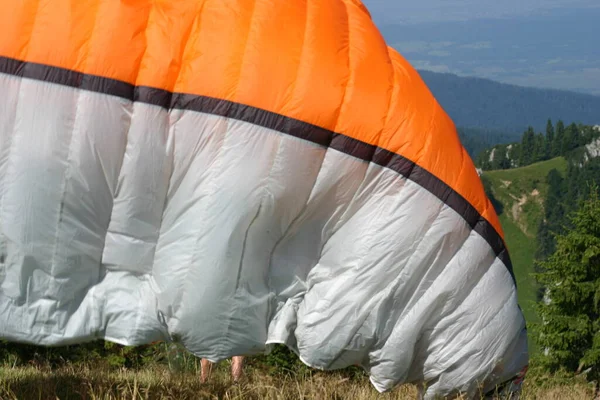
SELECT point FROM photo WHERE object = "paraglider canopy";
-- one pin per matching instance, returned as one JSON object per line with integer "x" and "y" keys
{"x": 235, "y": 174}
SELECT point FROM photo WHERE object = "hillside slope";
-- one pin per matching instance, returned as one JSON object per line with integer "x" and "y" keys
{"x": 520, "y": 192}
{"x": 518, "y": 196}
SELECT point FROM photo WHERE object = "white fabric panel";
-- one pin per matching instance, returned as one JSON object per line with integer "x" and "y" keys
{"x": 222, "y": 202}
{"x": 457, "y": 324}
{"x": 139, "y": 197}
{"x": 225, "y": 212}
{"x": 476, "y": 339}
{"x": 8, "y": 105}
{"x": 136, "y": 224}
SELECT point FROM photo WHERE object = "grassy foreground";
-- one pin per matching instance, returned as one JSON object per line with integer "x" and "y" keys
{"x": 160, "y": 383}
{"x": 87, "y": 382}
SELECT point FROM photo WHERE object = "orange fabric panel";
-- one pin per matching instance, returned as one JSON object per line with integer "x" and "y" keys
{"x": 105, "y": 38}
{"x": 369, "y": 89}
{"x": 323, "y": 65}
{"x": 214, "y": 51}
{"x": 16, "y": 26}
{"x": 270, "y": 40}
{"x": 320, "y": 62}
{"x": 168, "y": 32}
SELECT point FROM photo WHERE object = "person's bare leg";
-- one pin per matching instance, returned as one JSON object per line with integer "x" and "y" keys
{"x": 237, "y": 367}
{"x": 205, "y": 370}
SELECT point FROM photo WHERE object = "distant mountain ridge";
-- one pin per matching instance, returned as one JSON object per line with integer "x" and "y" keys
{"x": 486, "y": 104}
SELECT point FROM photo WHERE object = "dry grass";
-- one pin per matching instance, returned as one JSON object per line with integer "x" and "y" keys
{"x": 159, "y": 383}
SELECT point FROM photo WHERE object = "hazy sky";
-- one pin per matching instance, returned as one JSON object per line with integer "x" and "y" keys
{"x": 403, "y": 11}
{"x": 543, "y": 43}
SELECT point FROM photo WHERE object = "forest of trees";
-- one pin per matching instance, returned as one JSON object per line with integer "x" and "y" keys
{"x": 568, "y": 258}
{"x": 563, "y": 198}
{"x": 559, "y": 140}
{"x": 570, "y": 310}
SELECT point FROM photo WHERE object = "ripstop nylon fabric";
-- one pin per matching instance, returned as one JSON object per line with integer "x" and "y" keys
{"x": 226, "y": 227}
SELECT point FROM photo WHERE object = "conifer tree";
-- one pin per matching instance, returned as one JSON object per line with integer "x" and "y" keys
{"x": 549, "y": 138}
{"x": 570, "y": 139}
{"x": 559, "y": 133}
{"x": 553, "y": 215}
{"x": 570, "y": 328}
{"x": 540, "y": 148}
{"x": 527, "y": 147}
